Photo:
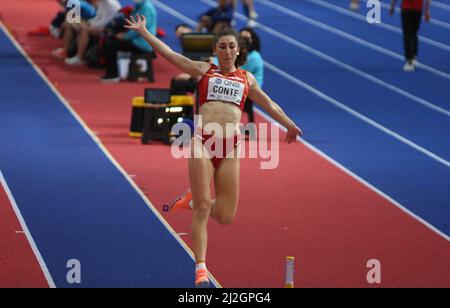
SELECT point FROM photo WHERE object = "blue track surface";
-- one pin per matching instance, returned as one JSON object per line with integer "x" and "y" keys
{"x": 75, "y": 202}
{"x": 426, "y": 30}
{"x": 415, "y": 180}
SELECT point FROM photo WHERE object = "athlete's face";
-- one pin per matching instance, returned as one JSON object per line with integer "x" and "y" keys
{"x": 227, "y": 50}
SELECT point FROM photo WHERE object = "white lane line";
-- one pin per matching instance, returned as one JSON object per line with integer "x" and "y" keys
{"x": 357, "y": 114}
{"x": 349, "y": 67}
{"x": 433, "y": 21}
{"x": 381, "y": 25}
{"x": 25, "y": 231}
{"x": 101, "y": 146}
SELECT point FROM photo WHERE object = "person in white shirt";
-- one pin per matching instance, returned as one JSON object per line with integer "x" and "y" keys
{"x": 106, "y": 10}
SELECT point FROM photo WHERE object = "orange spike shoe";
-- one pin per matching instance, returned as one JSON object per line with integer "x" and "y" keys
{"x": 201, "y": 278}
{"x": 181, "y": 203}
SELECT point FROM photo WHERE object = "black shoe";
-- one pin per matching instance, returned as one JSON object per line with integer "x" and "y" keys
{"x": 110, "y": 79}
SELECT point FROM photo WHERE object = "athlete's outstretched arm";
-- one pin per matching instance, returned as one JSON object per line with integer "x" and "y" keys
{"x": 257, "y": 95}
{"x": 193, "y": 68}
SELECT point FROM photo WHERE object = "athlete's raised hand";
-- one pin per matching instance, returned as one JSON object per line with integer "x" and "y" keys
{"x": 137, "y": 24}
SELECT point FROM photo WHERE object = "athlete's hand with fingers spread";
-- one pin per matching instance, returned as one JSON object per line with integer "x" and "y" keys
{"x": 292, "y": 134}
{"x": 137, "y": 24}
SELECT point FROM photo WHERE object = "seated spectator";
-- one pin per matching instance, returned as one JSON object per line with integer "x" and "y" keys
{"x": 218, "y": 18}
{"x": 254, "y": 64}
{"x": 106, "y": 10}
{"x": 183, "y": 83}
{"x": 94, "y": 55}
{"x": 87, "y": 11}
{"x": 129, "y": 41}
{"x": 60, "y": 26}
{"x": 182, "y": 29}
{"x": 116, "y": 25}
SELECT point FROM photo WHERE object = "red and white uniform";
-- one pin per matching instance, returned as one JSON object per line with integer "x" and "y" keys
{"x": 229, "y": 88}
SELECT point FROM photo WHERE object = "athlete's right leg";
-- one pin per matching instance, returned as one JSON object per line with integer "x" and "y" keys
{"x": 201, "y": 173}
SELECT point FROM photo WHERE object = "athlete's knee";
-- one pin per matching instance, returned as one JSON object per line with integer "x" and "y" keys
{"x": 224, "y": 215}
{"x": 202, "y": 208}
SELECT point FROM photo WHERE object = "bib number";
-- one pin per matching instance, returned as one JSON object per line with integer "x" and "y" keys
{"x": 220, "y": 89}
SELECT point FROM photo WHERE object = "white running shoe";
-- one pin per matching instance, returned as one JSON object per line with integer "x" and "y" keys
{"x": 253, "y": 15}
{"x": 59, "y": 53}
{"x": 252, "y": 23}
{"x": 74, "y": 61}
{"x": 55, "y": 32}
{"x": 409, "y": 67}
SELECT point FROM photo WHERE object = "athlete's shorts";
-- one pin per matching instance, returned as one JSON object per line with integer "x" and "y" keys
{"x": 233, "y": 142}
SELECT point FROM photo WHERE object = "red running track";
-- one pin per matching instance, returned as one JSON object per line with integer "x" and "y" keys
{"x": 307, "y": 207}
{"x": 19, "y": 267}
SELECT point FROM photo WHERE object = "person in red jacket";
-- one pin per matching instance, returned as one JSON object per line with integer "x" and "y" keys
{"x": 412, "y": 12}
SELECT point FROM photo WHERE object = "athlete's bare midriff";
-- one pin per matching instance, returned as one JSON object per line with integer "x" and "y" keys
{"x": 221, "y": 113}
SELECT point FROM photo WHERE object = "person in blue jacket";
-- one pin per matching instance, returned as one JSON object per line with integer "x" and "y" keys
{"x": 254, "y": 64}
{"x": 218, "y": 18}
{"x": 60, "y": 28}
{"x": 130, "y": 40}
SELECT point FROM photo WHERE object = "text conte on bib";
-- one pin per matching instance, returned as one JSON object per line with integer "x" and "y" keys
{"x": 221, "y": 89}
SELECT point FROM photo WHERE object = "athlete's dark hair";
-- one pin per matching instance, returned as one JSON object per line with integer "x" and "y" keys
{"x": 242, "y": 57}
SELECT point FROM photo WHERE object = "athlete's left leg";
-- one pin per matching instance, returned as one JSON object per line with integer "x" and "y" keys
{"x": 226, "y": 181}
